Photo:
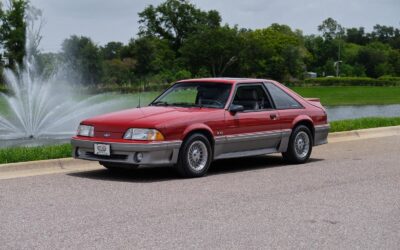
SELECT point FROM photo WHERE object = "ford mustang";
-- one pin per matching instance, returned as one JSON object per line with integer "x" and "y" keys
{"x": 197, "y": 121}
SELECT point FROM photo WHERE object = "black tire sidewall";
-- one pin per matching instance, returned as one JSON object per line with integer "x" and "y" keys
{"x": 292, "y": 151}
{"x": 183, "y": 165}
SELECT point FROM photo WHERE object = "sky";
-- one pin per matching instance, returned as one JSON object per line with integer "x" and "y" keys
{"x": 117, "y": 20}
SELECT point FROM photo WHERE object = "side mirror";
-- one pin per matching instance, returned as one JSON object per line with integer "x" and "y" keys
{"x": 236, "y": 108}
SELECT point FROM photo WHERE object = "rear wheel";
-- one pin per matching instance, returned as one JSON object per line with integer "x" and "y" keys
{"x": 300, "y": 145}
{"x": 195, "y": 156}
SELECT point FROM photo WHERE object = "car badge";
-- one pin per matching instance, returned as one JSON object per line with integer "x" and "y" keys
{"x": 107, "y": 134}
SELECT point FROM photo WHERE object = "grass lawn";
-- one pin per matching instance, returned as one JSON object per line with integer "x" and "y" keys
{"x": 20, "y": 154}
{"x": 363, "y": 123}
{"x": 354, "y": 95}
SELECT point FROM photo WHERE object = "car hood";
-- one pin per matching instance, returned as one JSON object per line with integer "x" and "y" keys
{"x": 146, "y": 117}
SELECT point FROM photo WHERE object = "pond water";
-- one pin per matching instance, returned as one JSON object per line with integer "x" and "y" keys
{"x": 334, "y": 113}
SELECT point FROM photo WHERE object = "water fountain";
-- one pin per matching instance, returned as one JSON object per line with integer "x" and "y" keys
{"x": 43, "y": 110}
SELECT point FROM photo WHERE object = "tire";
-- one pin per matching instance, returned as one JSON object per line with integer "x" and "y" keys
{"x": 300, "y": 146}
{"x": 117, "y": 167}
{"x": 195, "y": 156}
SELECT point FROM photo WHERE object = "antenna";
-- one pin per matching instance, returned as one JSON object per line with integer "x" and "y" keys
{"x": 140, "y": 93}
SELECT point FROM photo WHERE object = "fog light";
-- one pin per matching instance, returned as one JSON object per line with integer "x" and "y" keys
{"x": 139, "y": 157}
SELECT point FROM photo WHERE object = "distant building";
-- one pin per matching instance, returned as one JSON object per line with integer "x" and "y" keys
{"x": 311, "y": 75}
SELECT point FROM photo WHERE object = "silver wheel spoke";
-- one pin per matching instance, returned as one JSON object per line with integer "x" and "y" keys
{"x": 302, "y": 144}
{"x": 197, "y": 155}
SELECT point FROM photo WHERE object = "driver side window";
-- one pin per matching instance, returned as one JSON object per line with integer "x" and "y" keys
{"x": 252, "y": 98}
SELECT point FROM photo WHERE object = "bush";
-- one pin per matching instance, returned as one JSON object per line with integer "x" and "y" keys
{"x": 390, "y": 78}
{"x": 350, "y": 81}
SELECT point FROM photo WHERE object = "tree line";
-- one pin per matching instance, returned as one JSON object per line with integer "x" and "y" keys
{"x": 178, "y": 40}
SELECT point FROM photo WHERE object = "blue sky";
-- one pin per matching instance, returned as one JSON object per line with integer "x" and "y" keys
{"x": 105, "y": 20}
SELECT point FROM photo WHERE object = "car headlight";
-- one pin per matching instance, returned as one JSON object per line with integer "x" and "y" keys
{"x": 85, "y": 130}
{"x": 143, "y": 134}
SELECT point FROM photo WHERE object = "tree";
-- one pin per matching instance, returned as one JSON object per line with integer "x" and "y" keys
{"x": 175, "y": 20}
{"x": 383, "y": 33}
{"x": 357, "y": 36}
{"x": 83, "y": 58}
{"x": 374, "y": 58}
{"x": 331, "y": 29}
{"x": 13, "y": 32}
{"x": 152, "y": 56}
{"x": 112, "y": 50}
{"x": 216, "y": 49}
{"x": 118, "y": 71}
{"x": 276, "y": 52}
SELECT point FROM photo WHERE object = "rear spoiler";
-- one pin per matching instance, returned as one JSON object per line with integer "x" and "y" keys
{"x": 315, "y": 102}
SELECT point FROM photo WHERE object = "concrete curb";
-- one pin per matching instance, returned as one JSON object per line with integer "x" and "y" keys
{"x": 70, "y": 164}
{"x": 62, "y": 163}
{"x": 363, "y": 134}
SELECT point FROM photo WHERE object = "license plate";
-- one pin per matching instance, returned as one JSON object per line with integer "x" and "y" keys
{"x": 102, "y": 149}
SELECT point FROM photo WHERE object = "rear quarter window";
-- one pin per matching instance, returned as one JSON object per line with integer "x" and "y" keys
{"x": 281, "y": 99}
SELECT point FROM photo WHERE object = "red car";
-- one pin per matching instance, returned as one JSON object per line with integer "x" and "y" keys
{"x": 197, "y": 121}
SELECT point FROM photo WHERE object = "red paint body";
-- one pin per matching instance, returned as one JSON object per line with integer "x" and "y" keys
{"x": 176, "y": 122}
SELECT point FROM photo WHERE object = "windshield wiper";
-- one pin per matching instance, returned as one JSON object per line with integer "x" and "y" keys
{"x": 185, "y": 104}
{"x": 160, "y": 103}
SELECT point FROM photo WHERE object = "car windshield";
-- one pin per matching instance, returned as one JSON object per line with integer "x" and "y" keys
{"x": 210, "y": 95}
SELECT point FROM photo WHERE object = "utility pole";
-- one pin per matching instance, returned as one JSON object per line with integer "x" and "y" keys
{"x": 337, "y": 63}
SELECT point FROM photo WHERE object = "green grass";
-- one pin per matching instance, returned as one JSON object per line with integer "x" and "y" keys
{"x": 21, "y": 154}
{"x": 355, "y": 95}
{"x": 363, "y": 123}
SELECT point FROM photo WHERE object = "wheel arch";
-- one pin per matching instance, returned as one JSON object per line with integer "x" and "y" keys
{"x": 201, "y": 129}
{"x": 306, "y": 121}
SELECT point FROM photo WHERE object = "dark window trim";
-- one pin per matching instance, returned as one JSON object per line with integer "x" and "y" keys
{"x": 294, "y": 99}
{"x": 238, "y": 85}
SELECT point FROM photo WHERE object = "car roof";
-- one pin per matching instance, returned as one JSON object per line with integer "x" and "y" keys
{"x": 229, "y": 80}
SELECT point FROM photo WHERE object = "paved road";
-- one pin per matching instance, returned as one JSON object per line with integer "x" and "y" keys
{"x": 348, "y": 196}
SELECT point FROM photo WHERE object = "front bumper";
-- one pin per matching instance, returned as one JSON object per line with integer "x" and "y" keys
{"x": 154, "y": 153}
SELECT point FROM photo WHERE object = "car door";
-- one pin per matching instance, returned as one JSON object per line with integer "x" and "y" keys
{"x": 287, "y": 107}
{"x": 256, "y": 128}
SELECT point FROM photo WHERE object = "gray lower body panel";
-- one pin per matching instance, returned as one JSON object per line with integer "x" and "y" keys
{"x": 154, "y": 154}
{"x": 252, "y": 144}
{"x": 321, "y": 134}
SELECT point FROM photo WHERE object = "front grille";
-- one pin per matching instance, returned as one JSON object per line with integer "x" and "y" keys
{"x": 111, "y": 157}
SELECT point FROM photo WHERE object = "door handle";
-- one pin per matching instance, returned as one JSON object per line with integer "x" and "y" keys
{"x": 273, "y": 116}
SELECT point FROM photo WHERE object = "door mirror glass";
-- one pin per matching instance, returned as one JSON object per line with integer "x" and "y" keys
{"x": 236, "y": 108}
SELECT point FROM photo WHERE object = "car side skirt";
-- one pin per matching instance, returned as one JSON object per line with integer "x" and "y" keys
{"x": 251, "y": 144}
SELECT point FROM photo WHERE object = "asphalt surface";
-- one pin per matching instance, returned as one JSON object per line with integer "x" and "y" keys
{"x": 346, "y": 197}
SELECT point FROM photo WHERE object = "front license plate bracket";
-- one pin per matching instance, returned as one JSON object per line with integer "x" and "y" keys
{"x": 102, "y": 149}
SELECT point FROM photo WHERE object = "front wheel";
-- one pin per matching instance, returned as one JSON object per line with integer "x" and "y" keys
{"x": 300, "y": 145}
{"x": 195, "y": 156}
